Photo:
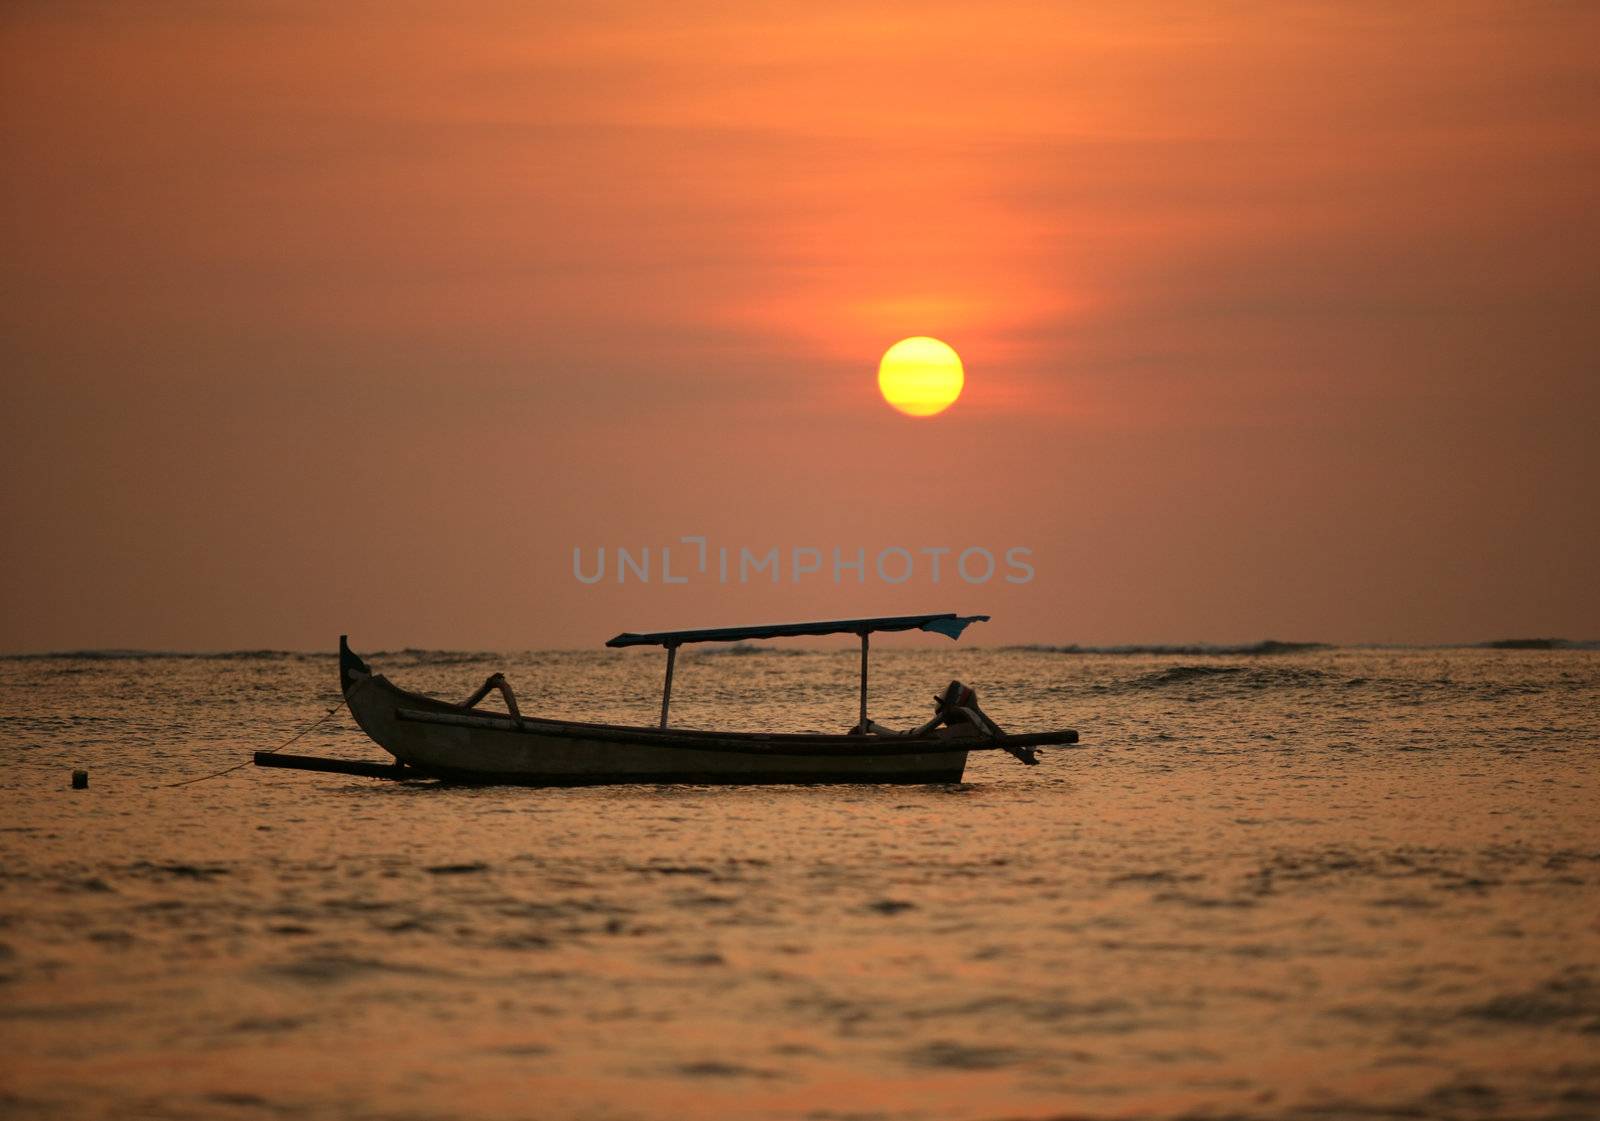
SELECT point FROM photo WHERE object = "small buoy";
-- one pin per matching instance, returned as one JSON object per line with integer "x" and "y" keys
{"x": 80, "y": 780}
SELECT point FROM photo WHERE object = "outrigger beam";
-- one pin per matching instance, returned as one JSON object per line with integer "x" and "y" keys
{"x": 333, "y": 766}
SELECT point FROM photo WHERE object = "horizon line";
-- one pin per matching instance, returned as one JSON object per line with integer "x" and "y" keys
{"x": 1262, "y": 646}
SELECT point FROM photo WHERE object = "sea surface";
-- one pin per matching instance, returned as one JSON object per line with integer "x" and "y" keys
{"x": 1282, "y": 883}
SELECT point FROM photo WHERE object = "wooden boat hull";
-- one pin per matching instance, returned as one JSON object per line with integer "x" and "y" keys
{"x": 447, "y": 741}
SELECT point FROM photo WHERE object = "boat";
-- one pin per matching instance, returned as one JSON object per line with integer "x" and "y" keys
{"x": 462, "y": 742}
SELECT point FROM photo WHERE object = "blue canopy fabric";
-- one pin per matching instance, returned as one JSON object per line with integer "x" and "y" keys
{"x": 950, "y": 625}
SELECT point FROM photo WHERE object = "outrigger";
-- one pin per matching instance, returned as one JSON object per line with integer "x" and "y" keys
{"x": 461, "y": 742}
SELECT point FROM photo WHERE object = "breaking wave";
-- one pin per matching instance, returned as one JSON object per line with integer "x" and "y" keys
{"x": 1264, "y": 647}
{"x": 150, "y": 655}
{"x": 1233, "y": 677}
{"x": 413, "y": 657}
{"x": 745, "y": 650}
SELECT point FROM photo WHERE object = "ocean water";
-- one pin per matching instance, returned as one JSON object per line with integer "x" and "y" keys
{"x": 1283, "y": 884}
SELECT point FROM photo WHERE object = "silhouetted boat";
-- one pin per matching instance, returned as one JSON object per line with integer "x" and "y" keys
{"x": 465, "y": 743}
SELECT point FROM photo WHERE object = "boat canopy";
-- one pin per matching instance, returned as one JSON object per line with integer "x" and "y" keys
{"x": 948, "y": 624}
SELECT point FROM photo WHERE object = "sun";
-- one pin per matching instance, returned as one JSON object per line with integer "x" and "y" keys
{"x": 920, "y": 376}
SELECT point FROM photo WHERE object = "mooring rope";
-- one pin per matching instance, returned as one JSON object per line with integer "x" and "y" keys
{"x": 318, "y": 722}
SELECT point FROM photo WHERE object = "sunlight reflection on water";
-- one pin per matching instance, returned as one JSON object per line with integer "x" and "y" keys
{"x": 1340, "y": 881}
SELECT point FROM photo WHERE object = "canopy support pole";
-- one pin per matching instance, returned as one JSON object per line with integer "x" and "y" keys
{"x": 862, "y": 726}
{"x": 666, "y": 691}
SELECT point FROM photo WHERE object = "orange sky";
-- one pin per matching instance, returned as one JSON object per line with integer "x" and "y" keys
{"x": 1278, "y": 318}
